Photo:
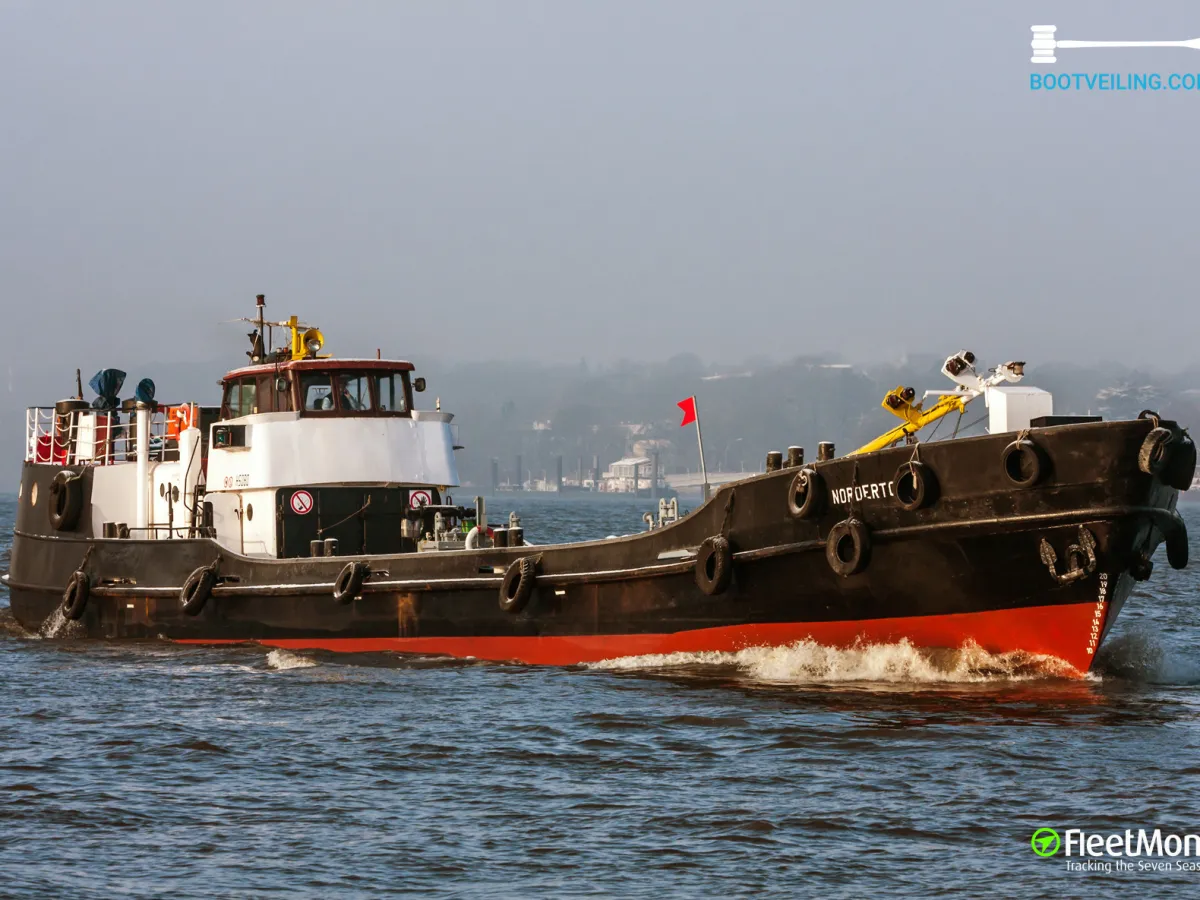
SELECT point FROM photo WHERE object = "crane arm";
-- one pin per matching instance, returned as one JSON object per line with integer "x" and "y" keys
{"x": 899, "y": 403}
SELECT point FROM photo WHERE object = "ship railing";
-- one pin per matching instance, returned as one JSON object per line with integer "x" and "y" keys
{"x": 93, "y": 437}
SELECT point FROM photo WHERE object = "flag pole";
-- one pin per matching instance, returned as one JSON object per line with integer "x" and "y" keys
{"x": 700, "y": 441}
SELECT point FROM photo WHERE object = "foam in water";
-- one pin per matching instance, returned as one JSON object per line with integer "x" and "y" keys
{"x": 58, "y": 625}
{"x": 807, "y": 662}
{"x": 284, "y": 659}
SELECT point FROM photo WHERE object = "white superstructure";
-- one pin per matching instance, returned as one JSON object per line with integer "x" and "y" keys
{"x": 304, "y": 450}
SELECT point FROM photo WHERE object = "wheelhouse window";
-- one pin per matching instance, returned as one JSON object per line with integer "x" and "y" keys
{"x": 316, "y": 392}
{"x": 274, "y": 393}
{"x": 353, "y": 392}
{"x": 241, "y": 398}
{"x": 366, "y": 391}
{"x": 391, "y": 388}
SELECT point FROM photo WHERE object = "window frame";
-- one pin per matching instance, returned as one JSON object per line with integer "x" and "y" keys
{"x": 406, "y": 391}
{"x": 331, "y": 375}
{"x": 372, "y": 410}
{"x": 334, "y": 411}
{"x": 235, "y": 387}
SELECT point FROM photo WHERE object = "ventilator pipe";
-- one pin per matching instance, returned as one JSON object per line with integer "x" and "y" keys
{"x": 189, "y": 455}
{"x": 142, "y": 517}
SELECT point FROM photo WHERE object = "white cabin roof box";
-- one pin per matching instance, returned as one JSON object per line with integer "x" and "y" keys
{"x": 1012, "y": 407}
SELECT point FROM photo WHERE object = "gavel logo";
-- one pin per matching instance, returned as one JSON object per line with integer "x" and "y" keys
{"x": 1044, "y": 44}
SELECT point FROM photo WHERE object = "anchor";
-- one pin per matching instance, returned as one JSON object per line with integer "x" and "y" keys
{"x": 1081, "y": 558}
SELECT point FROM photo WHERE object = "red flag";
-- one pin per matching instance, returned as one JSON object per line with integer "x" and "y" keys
{"x": 689, "y": 411}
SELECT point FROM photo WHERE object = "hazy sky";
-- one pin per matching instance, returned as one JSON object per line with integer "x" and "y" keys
{"x": 603, "y": 179}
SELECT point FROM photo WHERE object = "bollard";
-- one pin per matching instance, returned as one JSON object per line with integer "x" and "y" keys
{"x": 795, "y": 457}
{"x": 774, "y": 461}
{"x": 824, "y": 451}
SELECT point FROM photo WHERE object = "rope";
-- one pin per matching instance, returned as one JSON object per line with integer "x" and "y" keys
{"x": 914, "y": 459}
{"x": 966, "y": 427}
{"x": 321, "y": 531}
{"x": 853, "y": 485}
{"x": 936, "y": 427}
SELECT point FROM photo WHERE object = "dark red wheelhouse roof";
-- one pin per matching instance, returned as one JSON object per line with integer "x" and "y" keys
{"x": 322, "y": 365}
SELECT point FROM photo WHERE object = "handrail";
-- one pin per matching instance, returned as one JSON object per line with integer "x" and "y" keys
{"x": 93, "y": 437}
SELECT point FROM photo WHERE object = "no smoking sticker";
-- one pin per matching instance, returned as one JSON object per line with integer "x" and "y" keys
{"x": 417, "y": 499}
{"x": 302, "y": 502}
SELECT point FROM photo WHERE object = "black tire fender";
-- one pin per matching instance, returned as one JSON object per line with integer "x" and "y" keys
{"x": 1180, "y": 469}
{"x": 714, "y": 565}
{"x": 915, "y": 486}
{"x": 196, "y": 590}
{"x": 848, "y": 547}
{"x": 517, "y": 586}
{"x": 350, "y": 581}
{"x": 806, "y": 494}
{"x": 66, "y": 500}
{"x": 75, "y": 596}
{"x": 1022, "y": 463}
{"x": 1177, "y": 548}
{"x": 1154, "y": 453}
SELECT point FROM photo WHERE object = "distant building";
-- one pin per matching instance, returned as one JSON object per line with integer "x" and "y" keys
{"x": 629, "y": 474}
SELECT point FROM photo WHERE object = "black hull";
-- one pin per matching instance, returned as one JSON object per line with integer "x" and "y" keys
{"x": 968, "y": 567}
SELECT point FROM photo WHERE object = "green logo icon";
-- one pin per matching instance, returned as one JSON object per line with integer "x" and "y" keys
{"x": 1045, "y": 842}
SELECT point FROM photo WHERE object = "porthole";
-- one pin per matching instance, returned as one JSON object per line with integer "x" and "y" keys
{"x": 162, "y": 490}
{"x": 33, "y": 492}
{"x": 20, "y": 491}
{"x": 175, "y": 493}
{"x": 249, "y": 512}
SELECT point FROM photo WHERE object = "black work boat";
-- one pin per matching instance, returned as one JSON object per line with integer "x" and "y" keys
{"x": 312, "y": 510}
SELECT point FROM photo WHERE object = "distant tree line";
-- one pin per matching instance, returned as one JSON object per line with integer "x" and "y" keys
{"x": 745, "y": 410}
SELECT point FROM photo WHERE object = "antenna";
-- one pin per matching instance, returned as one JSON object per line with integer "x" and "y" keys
{"x": 257, "y": 349}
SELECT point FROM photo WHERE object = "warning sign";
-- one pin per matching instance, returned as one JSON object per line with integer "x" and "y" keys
{"x": 302, "y": 502}
{"x": 417, "y": 499}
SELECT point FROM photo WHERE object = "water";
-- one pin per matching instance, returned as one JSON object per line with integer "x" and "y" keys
{"x": 155, "y": 770}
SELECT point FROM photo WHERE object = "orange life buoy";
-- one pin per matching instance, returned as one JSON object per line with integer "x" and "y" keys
{"x": 180, "y": 418}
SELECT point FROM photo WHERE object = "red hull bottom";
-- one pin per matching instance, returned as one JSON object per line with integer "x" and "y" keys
{"x": 1065, "y": 632}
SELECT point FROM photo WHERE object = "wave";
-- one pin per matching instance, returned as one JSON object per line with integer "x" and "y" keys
{"x": 1140, "y": 657}
{"x": 58, "y": 625}
{"x": 9, "y": 626}
{"x": 285, "y": 659}
{"x": 807, "y": 662}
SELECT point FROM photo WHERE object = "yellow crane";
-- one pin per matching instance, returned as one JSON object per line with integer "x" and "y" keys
{"x": 899, "y": 402}
{"x": 959, "y": 368}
